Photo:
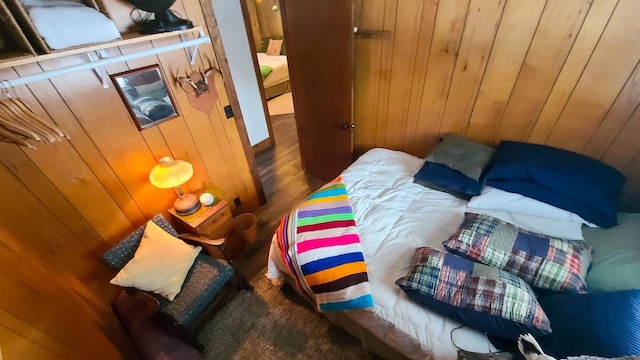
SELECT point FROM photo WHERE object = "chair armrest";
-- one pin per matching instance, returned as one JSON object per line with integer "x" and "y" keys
{"x": 202, "y": 239}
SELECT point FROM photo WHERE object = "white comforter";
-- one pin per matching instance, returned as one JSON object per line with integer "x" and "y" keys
{"x": 280, "y": 71}
{"x": 394, "y": 217}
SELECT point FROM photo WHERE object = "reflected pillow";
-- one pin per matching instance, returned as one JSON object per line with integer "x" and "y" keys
{"x": 265, "y": 70}
{"x": 264, "y": 44}
{"x": 274, "y": 48}
{"x": 544, "y": 262}
{"x": 482, "y": 297}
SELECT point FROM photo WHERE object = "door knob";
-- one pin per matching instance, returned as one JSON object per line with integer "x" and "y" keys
{"x": 346, "y": 126}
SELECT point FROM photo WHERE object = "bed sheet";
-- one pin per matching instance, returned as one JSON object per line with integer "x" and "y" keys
{"x": 394, "y": 217}
{"x": 280, "y": 71}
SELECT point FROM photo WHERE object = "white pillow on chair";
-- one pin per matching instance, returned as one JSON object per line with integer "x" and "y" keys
{"x": 160, "y": 264}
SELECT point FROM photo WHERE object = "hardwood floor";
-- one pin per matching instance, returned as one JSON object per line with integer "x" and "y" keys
{"x": 285, "y": 185}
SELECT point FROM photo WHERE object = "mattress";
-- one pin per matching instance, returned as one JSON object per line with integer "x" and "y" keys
{"x": 280, "y": 71}
{"x": 394, "y": 217}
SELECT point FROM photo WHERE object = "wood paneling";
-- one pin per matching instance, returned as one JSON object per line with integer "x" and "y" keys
{"x": 254, "y": 23}
{"x": 265, "y": 20}
{"x": 558, "y": 72}
{"x": 65, "y": 203}
{"x": 270, "y": 18}
{"x": 447, "y": 34}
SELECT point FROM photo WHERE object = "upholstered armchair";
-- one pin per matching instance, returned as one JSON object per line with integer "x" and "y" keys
{"x": 209, "y": 283}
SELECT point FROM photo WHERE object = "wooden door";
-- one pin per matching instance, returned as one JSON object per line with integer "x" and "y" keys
{"x": 319, "y": 40}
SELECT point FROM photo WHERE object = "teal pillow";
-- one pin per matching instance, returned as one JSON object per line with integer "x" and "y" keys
{"x": 265, "y": 70}
{"x": 462, "y": 154}
{"x": 616, "y": 255}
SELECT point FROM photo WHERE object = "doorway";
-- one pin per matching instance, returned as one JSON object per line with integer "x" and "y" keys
{"x": 280, "y": 160}
{"x": 263, "y": 21}
{"x": 321, "y": 85}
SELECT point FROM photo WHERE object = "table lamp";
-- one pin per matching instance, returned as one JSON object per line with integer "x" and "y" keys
{"x": 171, "y": 173}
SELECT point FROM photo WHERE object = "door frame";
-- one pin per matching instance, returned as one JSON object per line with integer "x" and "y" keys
{"x": 223, "y": 63}
{"x": 271, "y": 140}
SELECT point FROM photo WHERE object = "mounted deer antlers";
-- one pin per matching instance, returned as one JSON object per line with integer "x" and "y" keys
{"x": 200, "y": 94}
{"x": 198, "y": 81}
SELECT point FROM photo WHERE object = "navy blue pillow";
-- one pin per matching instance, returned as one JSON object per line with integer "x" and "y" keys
{"x": 604, "y": 215}
{"x": 600, "y": 324}
{"x": 444, "y": 178}
{"x": 556, "y": 168}
{"x": 575, "y": 177}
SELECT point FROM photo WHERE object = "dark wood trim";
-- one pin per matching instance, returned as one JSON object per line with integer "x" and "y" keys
{"x": 256, "y": 67}
{"x": 216, "y": 41}
{"x": 285, "y": 32}
{"x": 263, "y": 145}
{"x": 323, "y": 110}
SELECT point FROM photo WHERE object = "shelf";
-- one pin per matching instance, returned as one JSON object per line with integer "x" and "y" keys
{"x": 127, "y": 39}
{"x": 104, "y": 60}
{"x": 14, "y": 56}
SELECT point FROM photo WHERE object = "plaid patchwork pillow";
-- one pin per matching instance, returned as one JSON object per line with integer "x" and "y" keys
{"x": 482, "y": 297}
{"x": 544, "y": 262}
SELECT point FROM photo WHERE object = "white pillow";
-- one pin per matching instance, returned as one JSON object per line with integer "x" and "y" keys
{"x": 81, "y": 25}
{"x": 496, "y": 199}
{"x": 561, "y": 229}
{"x": 160, "y": 264}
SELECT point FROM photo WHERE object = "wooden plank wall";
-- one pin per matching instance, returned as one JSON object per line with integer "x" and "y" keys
{"x": 265, "y": 21}
{"x": 558, "y": 72}
{"x": 65, "y": 203}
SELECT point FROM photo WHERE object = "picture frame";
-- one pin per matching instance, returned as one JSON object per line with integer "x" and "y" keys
{"x": 146, "y": 96}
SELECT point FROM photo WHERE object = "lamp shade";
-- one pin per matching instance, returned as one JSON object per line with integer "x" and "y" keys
{"x": 170, "y": 173}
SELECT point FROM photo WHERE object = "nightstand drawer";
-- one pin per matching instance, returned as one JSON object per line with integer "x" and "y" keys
{"x": 212, "y": 224}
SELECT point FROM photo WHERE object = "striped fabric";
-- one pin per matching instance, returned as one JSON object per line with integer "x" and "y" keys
{"x": 482, "y": 297}
{"x": 320, "y": 245}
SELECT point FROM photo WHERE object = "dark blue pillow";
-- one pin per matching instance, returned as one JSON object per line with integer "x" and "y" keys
{"x": 600, "y": 324}
{"x": 444, "y": 178}
{"x": 576, "y": 178}
{"x": 597, "y": 324}
{"x": 555, "y": 168}
{"x": 605, "y": 214}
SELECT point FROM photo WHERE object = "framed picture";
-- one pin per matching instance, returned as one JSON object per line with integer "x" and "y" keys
{"x": 146, "y": 95}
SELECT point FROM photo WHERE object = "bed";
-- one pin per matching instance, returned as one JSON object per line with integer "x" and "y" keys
{"x": 277, "y": 82}
{"x": 394, "y": 217}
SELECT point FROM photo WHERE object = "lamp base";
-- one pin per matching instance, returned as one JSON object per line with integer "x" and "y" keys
{"x": 186, "y": 204}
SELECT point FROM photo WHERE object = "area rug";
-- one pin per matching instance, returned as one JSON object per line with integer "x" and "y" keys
{"x": 270, "y": 323}
{"x": 280, "y": 105}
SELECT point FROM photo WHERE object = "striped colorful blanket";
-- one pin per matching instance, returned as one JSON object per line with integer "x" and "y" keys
{"x": 320, "y": 245}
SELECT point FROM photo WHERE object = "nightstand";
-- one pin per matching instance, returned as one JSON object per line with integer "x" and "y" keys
{"x": 214, "y": 222}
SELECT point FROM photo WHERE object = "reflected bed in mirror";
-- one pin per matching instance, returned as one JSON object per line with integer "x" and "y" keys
{"x": 146, "y": 95}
